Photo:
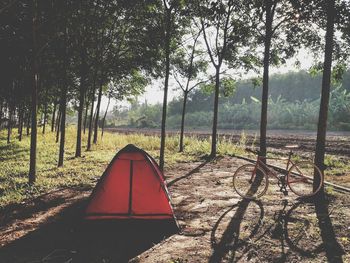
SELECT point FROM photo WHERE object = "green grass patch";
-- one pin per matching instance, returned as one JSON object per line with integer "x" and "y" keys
{"x": 84, "y": 171}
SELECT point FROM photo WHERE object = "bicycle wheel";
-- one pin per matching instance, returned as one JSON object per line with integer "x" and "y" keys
{"x": 301, "y": 176}
{"x": 249, "y": 182}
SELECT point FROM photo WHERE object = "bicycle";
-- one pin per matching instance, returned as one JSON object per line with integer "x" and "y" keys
{"x": 251, "y": 181}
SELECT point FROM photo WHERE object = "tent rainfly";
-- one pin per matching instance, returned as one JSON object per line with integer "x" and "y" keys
{"x": 132, "y": 187}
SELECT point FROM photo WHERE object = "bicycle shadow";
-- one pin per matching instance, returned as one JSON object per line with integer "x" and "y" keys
{"x": 230, "y": 240}
{"x": 310, "y": 233}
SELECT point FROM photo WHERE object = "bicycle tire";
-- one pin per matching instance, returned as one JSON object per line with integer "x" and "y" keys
{"x": 242, "y": 182}
{"x": 300, "y": 178}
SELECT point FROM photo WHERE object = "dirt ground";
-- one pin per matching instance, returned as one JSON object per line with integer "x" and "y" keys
{"x": 216, "y": 226}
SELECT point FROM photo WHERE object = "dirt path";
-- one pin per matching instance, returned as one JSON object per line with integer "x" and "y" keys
{"x": 216, "y": 226}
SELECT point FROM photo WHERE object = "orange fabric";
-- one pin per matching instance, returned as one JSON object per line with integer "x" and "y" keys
{"x": 131, "y": 187}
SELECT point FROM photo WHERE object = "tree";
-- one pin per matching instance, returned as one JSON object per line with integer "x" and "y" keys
{"x": 326, "y": 83}
{"x": 33, "y": 139}
{"x": 279, "y": 20}
{"x": 188, "y": 69}
{"x": 230, "y": 31}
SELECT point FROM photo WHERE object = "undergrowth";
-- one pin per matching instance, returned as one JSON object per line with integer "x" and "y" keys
{"x": 84, "y": 171}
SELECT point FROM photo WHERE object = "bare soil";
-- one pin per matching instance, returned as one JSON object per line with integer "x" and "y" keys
{"x": 338, "y": 143}
{"x": 216, "y": 225}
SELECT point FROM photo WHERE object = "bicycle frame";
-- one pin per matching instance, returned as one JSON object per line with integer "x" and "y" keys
{"x": 270, "y": 171}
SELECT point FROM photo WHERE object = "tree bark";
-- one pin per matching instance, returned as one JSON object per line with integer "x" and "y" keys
{"x": 265, "y": 89}
{"x": 166, "y": 86}
{"x": 86, "y": 113}
{"x": 81, "y": 103}
{"x": 63, "y": 123}
{"x": 20, "y": 124}
{"x": 104, "y": 117}
{"x": 1, "y": 112}
{"x": 28, "y": 122}
{"x": 183, "y": 122}
{"x": 97, "y": 113}
{"x": 326, "y": 83}
{"x": 88, "y": 148}
{"x": 9, "y": 125}
{"x": 215, "y": 115}
{"x": 34, "y": 96}
{"x": 45, "y": 117}
{"x": 53, "y": 117}
{"x": 58, "y": 125}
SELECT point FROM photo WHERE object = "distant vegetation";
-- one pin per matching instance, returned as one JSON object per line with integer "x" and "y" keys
{"x": 293, "y": 104}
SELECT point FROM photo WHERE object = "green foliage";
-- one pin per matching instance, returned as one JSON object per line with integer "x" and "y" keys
{"x": 81, "y": 172}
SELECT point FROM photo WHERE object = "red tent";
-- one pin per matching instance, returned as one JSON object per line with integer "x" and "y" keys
{"x": 132, "y": 187}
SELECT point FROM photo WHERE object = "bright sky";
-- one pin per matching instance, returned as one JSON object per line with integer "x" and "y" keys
{"x": 154, "y": 92}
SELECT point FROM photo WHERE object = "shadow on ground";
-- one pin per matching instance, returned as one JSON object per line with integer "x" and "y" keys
{"x": 302, "y": 231}
{"x": 69, "y": 239}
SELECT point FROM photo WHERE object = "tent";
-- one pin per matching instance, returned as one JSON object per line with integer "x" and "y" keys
{"x": 131, "y": 188}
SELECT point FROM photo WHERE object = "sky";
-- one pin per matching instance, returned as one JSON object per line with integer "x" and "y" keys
{"x": 154, "y": 92}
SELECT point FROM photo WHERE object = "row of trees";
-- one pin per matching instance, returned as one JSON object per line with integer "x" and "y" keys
{"x": 59, "y": 54}
{"x": 283, "y": 113}
{"x": 76, "y": 48}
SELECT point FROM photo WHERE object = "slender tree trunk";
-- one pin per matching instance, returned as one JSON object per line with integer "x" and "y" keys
{"x": 265, "y": 89}
{"x": 28, "y": 122}
{"x": 166, "y": 86}
{"x": 35, "y": 76}
{"x": 91, "y": 118}
{"x": 1, "y": 112}
{"x": 326, "y": 83}
{"x": 63, "y": 123}
{"x": 58, "y": 125}
{"x": 53, "y": 117}
{"x": 81, "y": 104}
{"x": 97, "y": 113}
{"x": 215, "y": 117}
{"x": 104, "y": 117}
{"x": 20, "y": 124}
{"x": 183, "y": 121}
{"x": 9, "y": 125}
{"x": 45, "y": 117}
{"x": 86, "y": 113}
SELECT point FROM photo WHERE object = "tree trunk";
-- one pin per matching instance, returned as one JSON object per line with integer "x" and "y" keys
{"x": 45, "y": 117}
{"x": 97, "y": 113}
{"x": 63, "y": 123}
{"x": 58, "y": 125}
{"x": 104, "y": 117}
{"x": 20, "y": 124}
{"x": 215, "y": 115}
{"x": 81, "y": 103}
{"x": 183, "y": 121}
{"x": 166, "y": 86}
{"x": 9, "y": 125}
{"x": 53, "y": 117}
{"x": 326, "y": 82}
{"x": 28, "y": 122}
{"x": 35, "y": 76}
{"x": 88, "y": 148}
{"x": 86, "y": 114}
{"x": 1, "y": 112}
{"x": 265, "y": 89}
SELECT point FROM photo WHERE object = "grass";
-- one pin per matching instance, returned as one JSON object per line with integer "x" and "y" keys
{"x": 84, "y": 171}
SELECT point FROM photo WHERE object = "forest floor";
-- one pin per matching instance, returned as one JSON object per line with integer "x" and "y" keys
{"x": 216, "y": 226}
{"x": 43, "y": 223}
